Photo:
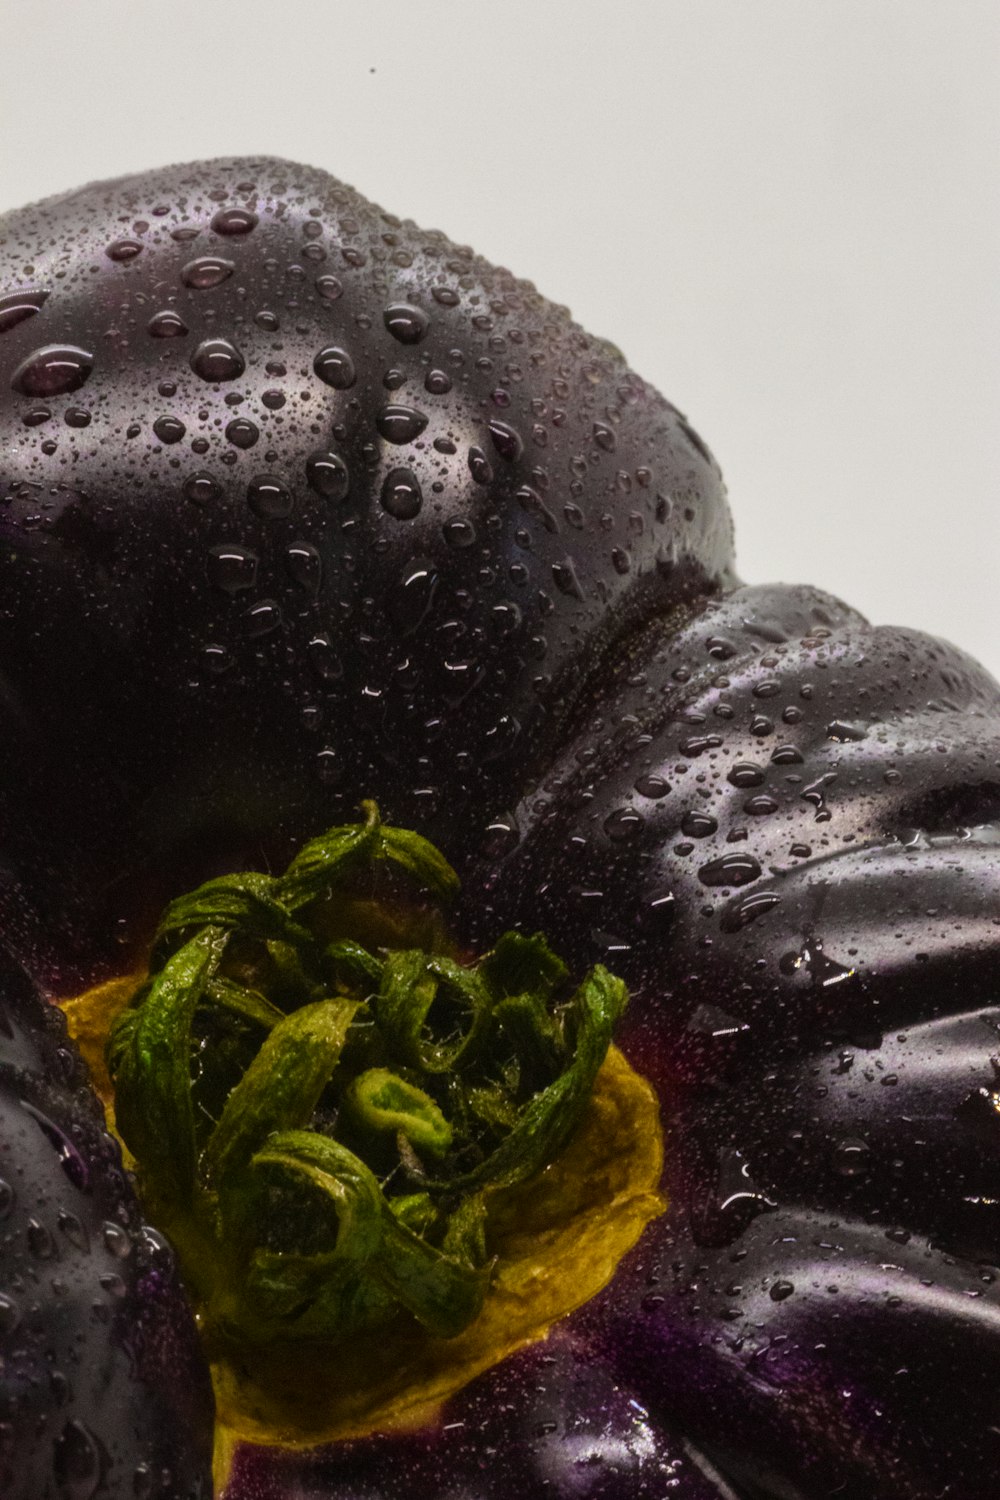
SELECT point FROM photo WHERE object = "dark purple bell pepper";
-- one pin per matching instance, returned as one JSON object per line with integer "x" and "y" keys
{"x": 303, "y": 505}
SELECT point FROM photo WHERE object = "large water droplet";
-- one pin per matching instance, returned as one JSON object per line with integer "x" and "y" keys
{"x": 167, "y": 325}
{"x": 123, "y": 250}
{"x": 305, "y": 566}
{"x": 507, "y": 442}
{"x": 72, "y": 1163}
{"x": 565, "y": 579}
{"x": 207, "y": 271}
{"x": 269, "y": 497}
{"x": 202, "y": 488}
{"x": 414, "y": 595}
{"x": 169, "y": 429}
{"x": 15, "y": 307}
{"x": 263, "y": 617}
{"x": 748, "y": 909}
{"x": 329, "y": 288}
{"x": 323, "y": 659}
{"x": 401, "y": 494}
{"x": 232, "y": 569}
{"x": 10, "y": 1314}
{"x": 479, "y": 466}
{"x": 116, "y": 1240}
{"x": 623, "y": 824}
{"x": 405, "y": 323}
{"x": 730, "y": 869}
{"x": 745, "y": 774}
{"x": 327, "y": 475}
{"x": 460, "y": 533}
{"x": 400, "y": 424}
{"x": 77, "y": 1462}
{"x": 53, "y": 371}
{"x": 233, "y": 221}
{"x": 242, "y": 433}
{"x": 698, "y": 825}
{"x": 851, "y": 1158}
{"x": 335, "y": 367}
{"x": 74, "y": 1231}
{"x": 217, "y": 359}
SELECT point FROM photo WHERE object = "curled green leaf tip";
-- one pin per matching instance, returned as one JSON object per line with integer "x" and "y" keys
{"x": 321, "y": 1123}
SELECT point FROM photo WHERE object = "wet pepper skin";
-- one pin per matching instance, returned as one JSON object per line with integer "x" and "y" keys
{"x": 301, "y": 504}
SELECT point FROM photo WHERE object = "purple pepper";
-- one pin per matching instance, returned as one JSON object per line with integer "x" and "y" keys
{"x": 303, "y": 505}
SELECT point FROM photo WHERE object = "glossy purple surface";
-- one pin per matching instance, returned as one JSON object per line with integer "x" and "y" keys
{"x": 302, "y": 504}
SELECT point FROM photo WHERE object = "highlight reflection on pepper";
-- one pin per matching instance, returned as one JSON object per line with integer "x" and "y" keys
{"x": 305, "y": 508}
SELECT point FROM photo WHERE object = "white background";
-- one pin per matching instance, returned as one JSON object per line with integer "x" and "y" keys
{"x": 785, "y": 212}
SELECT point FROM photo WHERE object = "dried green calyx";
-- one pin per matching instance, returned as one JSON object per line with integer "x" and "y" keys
{"x": 322, "y": 1118}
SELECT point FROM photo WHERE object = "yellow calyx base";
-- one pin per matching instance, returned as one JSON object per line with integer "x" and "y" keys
{"x": 558, "y": 1240}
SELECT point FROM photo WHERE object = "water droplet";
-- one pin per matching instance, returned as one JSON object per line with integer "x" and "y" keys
{"x": 202, "y": 488}
{"x": 77, "y": 1462}
{"x": 267, "y": 320}
{"x": 401, "y": 494}
{"x": 566, "y": 581}
{"x": 53, "y": 371}
{"x": 327, "y": 475}
{"x": 15, "y": 307}
{"x": 502, "y": 835}
{"x": 414, "y": 595}
{"x": 719, "y": 647}
{"x": 730, "y": 869}
{"x": 269, "y": 497}
{"x": 169, "y": 429}
{"x": 233, "y": 221}
{"x": 36, "y": 416}
{"x": 217, "y": 359}
{"x": 507, "y": 442}
{"x": 10, "y": 1314}
{"x": 232, "y": 569}
{"x": 745, "y": 774}
{"x": 323, "y": 659}
{"x": 329, "y": 287}
{"x": 405, "y": 323}
{"x": 460, "y": 533}
{"x": 273, "y": 400}
{"x": 124, "y": 250}
{"x": 780, "y": 1290}
{"x": 604, "y": 437}
{"x": 116, "y": 1240}
{"x": 652, "y": 786}
{"x": 167, "y": 325}
{"x": 437, "y": 382}
{"x": 845, "y": 733}
{"x": 242, "y": 433}
{"x": 217, "y": 658}
{"x": 698, "y": 825}
{"x": 328, "y": 767}
{"x": 479, "y": 466}
{"x": 70, "y": 1159}
{"x": 761, "y": 806}
{"x": 623, "y": 824}
{"x": 851, "y": 1158}
{"x": 305, "y": 566}
{"x": 400, "y": 424}
{"x": 264, "y": 617}
{"x": 40, "y": 1241}
{"x": 206, "y": 271}
{"x": 75, "y": 416}
{"x": 335, "y": 367}
{"x": 748, "y": 909}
